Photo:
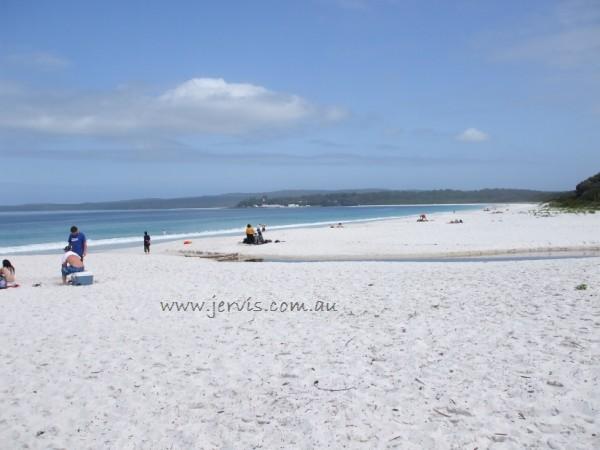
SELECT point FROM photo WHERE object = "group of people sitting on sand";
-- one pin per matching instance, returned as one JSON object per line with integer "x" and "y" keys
{"x": 423, "y": 218}
{"x": 72, "y": 260}
{"x": 255, "y": 236}
{"x": 7, "y": 275}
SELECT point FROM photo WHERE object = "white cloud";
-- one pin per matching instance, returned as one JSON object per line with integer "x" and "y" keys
{"x": 206, "y": 88}
{"x": 472, "y": 135}
{"x": 199, "y": 105}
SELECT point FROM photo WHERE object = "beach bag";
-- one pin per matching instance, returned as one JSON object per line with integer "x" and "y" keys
{"x": 2, "y": 283}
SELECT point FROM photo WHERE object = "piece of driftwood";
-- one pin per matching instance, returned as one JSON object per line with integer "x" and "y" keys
{"x": 441, "y": 413}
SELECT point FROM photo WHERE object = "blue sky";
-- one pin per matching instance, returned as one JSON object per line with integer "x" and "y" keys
{"x": 113, "y": 100}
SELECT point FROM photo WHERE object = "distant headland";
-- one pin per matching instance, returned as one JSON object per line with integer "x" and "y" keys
{"x": 287, "y": 198}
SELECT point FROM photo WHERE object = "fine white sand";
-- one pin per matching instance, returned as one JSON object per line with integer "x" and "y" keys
{"x": 417, "y": 355}
{"x": 502, "y": 230}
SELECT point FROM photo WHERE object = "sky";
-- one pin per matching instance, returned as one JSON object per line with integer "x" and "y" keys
{"x": 116, "y": 100}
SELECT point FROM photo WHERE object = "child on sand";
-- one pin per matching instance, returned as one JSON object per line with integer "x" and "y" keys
{"x": 7, "y": 274}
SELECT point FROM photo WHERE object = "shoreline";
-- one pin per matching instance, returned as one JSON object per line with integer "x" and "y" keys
{"x": 229, "y": 241}
{"x": 510, "y": 229}
{"x": 109, "y": 244}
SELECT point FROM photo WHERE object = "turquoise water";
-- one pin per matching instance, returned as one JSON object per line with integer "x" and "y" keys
{"x": 26, "y": 232}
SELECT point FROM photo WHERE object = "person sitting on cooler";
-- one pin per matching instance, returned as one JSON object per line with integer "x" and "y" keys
{"x": 71, "y": 263}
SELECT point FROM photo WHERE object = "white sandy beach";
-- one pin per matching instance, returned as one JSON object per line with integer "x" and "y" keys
{"x": 505, "y": 229}
{"x": 417, "y": 355}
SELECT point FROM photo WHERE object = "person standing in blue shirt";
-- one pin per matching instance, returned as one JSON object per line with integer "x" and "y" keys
{"x": 78, "y": 242}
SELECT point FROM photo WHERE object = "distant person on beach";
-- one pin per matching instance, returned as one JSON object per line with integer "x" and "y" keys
{"x": 78, "y": 242}
{"x": 7, "y": 274}
{"x": 249, "y": 234}
{"x": 146, "y": 242}
{"x": 71, "y": 263}
{"x": 259, "y": 238}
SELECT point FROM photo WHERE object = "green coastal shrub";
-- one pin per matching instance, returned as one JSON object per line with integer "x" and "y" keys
{"x": 586, "y": 196}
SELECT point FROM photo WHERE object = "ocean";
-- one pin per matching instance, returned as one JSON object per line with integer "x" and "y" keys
{"x": 42, "y": 232}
